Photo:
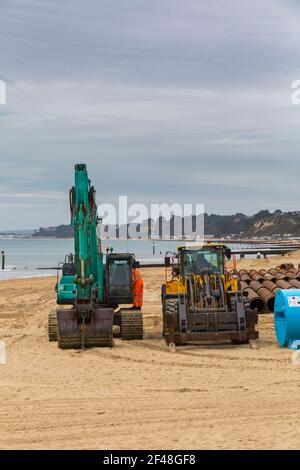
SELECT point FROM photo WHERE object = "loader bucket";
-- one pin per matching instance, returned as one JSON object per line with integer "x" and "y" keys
{"x": 97, "y": 331}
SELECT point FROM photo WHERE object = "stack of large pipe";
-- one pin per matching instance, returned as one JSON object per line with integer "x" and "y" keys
{"x": 261, "y": 286}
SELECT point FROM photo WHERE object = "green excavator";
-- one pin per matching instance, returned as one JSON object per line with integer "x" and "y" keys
{"x": 89, "y": 291}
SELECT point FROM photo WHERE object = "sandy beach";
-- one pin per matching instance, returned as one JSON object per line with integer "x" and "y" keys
{"x": 139, "y": 395}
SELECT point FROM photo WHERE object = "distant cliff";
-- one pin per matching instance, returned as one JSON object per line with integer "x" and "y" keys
{"x": 262, "y": 224}
{"x": 61, "y": 231}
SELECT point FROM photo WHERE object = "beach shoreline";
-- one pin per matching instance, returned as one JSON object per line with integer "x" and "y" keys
{"x": 96, "y": 399}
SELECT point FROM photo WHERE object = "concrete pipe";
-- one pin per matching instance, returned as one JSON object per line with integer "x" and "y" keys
{"x": 255, "y": 285}
{"x": 295, "y": 283}
{"x": 244, "y": 285}
{"x": 242, "y": 271}
{"x": 283, "y": 284}
{"x": 293, "y": 270}
{"x": 268, "y": 297}
{"x": 252, "y": 272}
{"x": 282, "y": 271}
{"x": 255, "y": 302}
{"x": 257, "y": 277}
{"x": 263, "y": 272}
{"x": 272, "y": 271}
{"x": 279, "y": 277}
{"x": 269, "y": 277}
{"x": 287, "y": 266}
{"x": 290, "y": 276}
{"x": 270, "y": 285}
{"x": 245, "y": 278}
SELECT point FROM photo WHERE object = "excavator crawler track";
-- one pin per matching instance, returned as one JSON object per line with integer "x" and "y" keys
{"x": 52, "y": 326}
{"x": 132, "y": 325}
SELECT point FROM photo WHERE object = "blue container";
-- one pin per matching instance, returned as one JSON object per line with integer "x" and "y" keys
{"x": 287, "y": 318}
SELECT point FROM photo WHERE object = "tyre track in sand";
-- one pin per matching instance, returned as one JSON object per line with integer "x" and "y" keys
{"x": 139, "y": 394}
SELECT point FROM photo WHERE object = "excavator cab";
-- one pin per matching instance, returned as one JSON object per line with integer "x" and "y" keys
{"x": 119, "y": 288}
{"x": 69, "y": 266}
{"x": 119, "y": 278}
{"x": 198, "y": 301}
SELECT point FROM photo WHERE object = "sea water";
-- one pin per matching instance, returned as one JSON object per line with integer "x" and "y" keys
{"x": 27, "y": 257}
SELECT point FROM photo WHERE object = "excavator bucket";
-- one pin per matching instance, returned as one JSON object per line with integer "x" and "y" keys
{"x": 73, "y": 333}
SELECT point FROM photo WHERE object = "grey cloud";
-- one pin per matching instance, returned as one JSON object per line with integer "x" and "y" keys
{"x": 165, "y": 100}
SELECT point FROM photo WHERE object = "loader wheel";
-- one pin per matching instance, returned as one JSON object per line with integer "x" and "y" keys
{"x": 163, "y": 294}
{"x": 132, "y": 325}
{"x": 52, "y": 326}
{"x": 170, "y": 320}
{"x": 169, "y": 306}
{"x": 163, "y": 306}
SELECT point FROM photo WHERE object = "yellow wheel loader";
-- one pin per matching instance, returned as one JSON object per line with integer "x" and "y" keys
{"x": 199, "y": 302}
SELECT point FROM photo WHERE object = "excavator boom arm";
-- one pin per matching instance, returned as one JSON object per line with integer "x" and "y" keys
{"x": 88, "y": 259}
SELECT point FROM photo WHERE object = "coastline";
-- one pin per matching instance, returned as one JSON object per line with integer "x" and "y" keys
{"x": 225, "y": 240}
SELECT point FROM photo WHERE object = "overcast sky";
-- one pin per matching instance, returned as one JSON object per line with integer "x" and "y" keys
{"x": 166, "y": 100}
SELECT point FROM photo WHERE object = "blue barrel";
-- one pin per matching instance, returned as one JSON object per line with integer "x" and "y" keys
{"x": 287, "y": 318}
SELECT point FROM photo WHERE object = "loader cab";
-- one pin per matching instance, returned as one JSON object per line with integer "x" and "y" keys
{"x": 118, "y": 275}
{"x": 206, "y": 258}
